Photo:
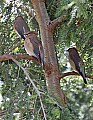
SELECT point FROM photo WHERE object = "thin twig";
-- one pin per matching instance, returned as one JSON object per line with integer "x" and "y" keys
{"x": 38, "y": 93}
{"x": 2, "y": 112}
{"x": 11, "y": 47}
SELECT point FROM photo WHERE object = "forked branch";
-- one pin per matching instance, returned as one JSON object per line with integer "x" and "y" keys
{"x": 56, "y": 22}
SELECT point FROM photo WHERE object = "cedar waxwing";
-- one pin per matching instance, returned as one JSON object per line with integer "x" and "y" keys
{"x": 76, "y": 62}
{"x": 21, "y": 26}
{"x": 32, "y": 45}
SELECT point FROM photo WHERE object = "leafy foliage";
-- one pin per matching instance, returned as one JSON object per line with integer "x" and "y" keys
{"x": 20, "y": 100}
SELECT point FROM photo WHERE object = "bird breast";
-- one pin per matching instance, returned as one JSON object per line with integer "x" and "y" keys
{"x": 72, "y": 64}
{"x": 29, "y": 48}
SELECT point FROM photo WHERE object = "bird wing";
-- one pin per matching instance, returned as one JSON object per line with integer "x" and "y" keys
{"x": 76, "y": 59}
{"x": 37, "y": 48}
{"x": 41, "y": 55}
{"x": 34, "y": 47}
{"x": 35, "y": 42}
{"x": 78, "y": 64}
{"x": 21, "y": 26}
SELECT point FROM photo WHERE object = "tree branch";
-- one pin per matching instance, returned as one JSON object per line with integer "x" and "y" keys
{"x": 27, "y": 57}
{"x": 38, "y": 92}
{"x": 89, "y": 76}
{"x": 2, "y": 112}
{"x": 32, "y": 13}
{"x": 56, "y": 22}
{"x": 67, "y": 74}
{"x": 73, "y": 73}
{"x": 12, "y": 48}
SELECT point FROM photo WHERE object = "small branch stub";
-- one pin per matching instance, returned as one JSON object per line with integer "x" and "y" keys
{"x": 56, "y": 22}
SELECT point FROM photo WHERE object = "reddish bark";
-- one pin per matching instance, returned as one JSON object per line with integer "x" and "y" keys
{"x": 51, "y": 74}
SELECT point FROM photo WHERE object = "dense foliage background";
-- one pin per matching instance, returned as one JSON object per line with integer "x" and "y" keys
{"x": 19, "y": 100}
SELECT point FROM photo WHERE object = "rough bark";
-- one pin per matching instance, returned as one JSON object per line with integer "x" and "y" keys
{"x": 51, "y": 74}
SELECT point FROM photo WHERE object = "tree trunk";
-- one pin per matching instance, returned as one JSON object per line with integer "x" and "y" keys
{"x": 51, "y": 73}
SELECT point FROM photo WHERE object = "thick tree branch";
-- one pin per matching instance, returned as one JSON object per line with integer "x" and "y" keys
{"x": 27, "y": 57}
{"x": 73, "y": 73}
{"x": 56, "y": 22}
{"x": 21, "y": 56}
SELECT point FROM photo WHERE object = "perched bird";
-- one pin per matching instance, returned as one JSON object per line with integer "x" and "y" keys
{"x": 32, "y": 45}
{"x": 76, "y": 62}
{"x": 21, "y": 26}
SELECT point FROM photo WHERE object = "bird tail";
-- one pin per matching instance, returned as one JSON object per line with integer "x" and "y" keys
{"x": 84, "y": 78}
{"x": 41, "y": 55}
{"x": 85, "y": 81}
{"x": 21, "y": 26}
{"x": 82, "y": 71}
{"x": 42, "y": 62}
